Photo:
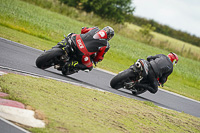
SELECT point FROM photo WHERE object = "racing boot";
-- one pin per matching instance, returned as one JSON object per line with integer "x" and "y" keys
{"x": 70, "y": 68}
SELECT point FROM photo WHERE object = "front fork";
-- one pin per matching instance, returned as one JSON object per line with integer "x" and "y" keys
{"x": 61, "y": 62}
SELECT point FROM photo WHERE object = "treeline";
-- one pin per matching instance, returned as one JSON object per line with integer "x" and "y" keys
{"x": 164, "y": 29}
{"x": 120, "y": 11}
{"x": 114, "y": 10}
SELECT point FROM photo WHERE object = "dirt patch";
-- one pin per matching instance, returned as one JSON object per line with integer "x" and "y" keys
{"x": 38, "y": 114}
{"x": 62, "y": 129}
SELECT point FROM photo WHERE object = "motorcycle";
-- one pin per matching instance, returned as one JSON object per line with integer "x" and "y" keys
{"x": 129, "y": 78}
{"x": 57, "y": 57}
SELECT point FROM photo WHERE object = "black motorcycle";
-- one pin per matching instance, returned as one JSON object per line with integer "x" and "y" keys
{"x": 58, "y": 56}
{"x": 129, "y": 78}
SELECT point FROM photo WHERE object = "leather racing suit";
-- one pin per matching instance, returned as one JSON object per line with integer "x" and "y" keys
{"x": 88, "y": 49}
{"x": 160, "y": 67}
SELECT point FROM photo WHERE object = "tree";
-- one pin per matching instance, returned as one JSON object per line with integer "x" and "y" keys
{"x": 114, "y": 10}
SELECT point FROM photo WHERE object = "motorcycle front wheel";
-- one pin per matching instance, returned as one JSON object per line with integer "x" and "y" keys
{"x": 48, "y": 58}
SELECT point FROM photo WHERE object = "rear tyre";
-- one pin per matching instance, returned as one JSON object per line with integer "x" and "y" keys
{"x": 118, "y": 81}
{"x": 68, "y": 72}
{"x": 47, "y": 59}
{"x": 139, "y": 91}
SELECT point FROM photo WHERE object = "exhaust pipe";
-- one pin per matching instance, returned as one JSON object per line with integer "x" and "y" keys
{"x": 138, "y": 64}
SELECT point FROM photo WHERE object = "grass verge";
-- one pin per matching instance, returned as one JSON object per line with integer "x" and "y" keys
{"x": 70, "y": 108}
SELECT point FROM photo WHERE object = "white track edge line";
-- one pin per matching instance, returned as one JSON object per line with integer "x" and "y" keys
{"x": 108, "y": 72}
{"x": 73, "y": 83}
{"x": 47, "y": 77}
{"x": 173, "y": 93}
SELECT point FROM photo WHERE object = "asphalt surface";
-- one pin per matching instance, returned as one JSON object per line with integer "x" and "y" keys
{"x": 20, "y": 57}
{"x": 8, "y": 127}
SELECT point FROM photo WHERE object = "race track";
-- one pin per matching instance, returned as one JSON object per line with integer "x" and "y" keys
{"x": 20, "y": 57}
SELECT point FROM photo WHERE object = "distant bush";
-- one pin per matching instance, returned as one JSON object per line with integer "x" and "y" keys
{"x": 145, "y": 31}
{"x": 164, "y": 29}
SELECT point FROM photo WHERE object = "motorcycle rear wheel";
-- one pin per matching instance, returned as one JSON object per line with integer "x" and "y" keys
{"x": 46, "y": 59}
{"x": 124, "y": 77}
{"x": 119, "y": 80}
{"x": 139, "y": 91}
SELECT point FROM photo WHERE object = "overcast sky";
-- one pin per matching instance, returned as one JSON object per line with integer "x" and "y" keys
{"x": 182, "y": 15}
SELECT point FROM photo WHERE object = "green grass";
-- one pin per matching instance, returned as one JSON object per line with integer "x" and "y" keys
{"x": 31, "y": 20}
{"x": 69, "y": 108}
{"x": 42, "y": 29}
{"x": 129, "y": 30}
{"x": 24, "y": 38}
{"x": 165, "y": 42}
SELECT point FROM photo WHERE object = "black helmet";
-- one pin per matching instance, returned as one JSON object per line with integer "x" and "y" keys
{"x": 109, "y": 31}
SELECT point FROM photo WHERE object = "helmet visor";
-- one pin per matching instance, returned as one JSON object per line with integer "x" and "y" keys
{"x": 174, "y": 62}
{"x": 110, "y": 37}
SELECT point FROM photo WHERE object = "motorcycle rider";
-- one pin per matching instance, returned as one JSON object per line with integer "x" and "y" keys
{"x": 160, "y": 67}
{"x": 90, "y": 47}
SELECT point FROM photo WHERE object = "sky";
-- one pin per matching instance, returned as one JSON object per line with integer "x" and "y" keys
{"x": 181, "y": 15}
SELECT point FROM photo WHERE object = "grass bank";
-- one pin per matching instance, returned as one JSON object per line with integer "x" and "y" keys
{"x": 42, "y": 29}
{"x": 165, "y": 42}
{"x": 69, "y": 108}
{"x": 127, "y": 30}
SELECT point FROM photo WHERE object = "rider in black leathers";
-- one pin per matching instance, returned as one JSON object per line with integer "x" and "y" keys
{"x": 160, "y": 67}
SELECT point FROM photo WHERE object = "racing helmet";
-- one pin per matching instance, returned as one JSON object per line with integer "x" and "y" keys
{"x": 173, "y": 57}
{"x": 109, "y": 31}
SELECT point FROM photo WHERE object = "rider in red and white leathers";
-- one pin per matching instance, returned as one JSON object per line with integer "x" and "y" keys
{"x": 90, "y": 46}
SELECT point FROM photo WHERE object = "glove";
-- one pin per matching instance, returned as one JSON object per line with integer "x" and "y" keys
{"x": 62, "y": 43}
{"x": 74, "y": 64}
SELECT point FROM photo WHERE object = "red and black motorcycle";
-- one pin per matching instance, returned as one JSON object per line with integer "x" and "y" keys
{"x": 58, "y": 56}
{"x": 135, "y": 74}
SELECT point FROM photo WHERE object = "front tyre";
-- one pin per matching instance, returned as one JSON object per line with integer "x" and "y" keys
{"x": 48, "y": 58}
{"x": 119, "y": 80}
